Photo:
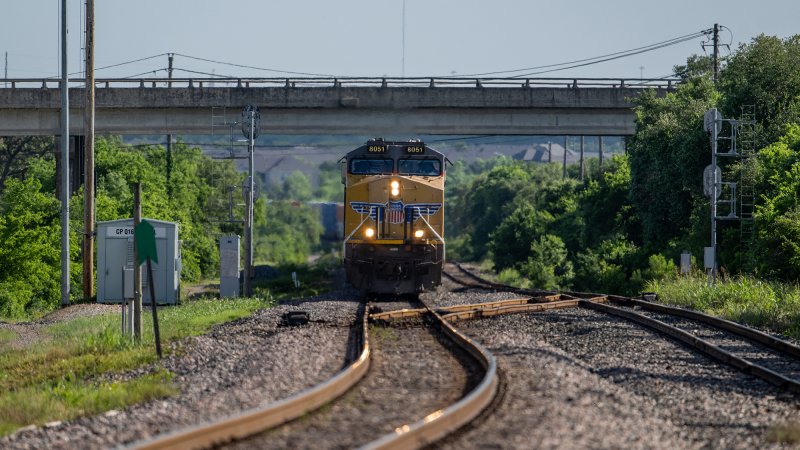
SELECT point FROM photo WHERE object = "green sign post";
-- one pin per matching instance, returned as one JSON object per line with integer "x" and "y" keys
{"x": 146, "y": 251}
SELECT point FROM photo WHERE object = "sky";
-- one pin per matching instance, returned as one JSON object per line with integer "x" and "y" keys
{"x": 366, "y": 37}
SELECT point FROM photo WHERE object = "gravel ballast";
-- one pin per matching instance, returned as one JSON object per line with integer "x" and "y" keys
{"x": 578, "y": 378}
{"x": 241, "y": 364}
{"x": 413, "y": 373}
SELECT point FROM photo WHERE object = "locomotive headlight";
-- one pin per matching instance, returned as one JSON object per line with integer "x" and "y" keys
{"x": 394, "y": 184}
{"x": 369, "y": 232}
{"x": 419, "y": 234}
{"x": 395, "y": 192}
{"x": 395, "y": 188}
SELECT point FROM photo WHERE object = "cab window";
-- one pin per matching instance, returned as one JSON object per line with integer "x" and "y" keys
{"x": 424, "y": 167}
{"x": 371, "y": 166}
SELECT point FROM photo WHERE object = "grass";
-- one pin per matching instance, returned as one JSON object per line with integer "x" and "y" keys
{"x": 54, "y": 376}
{"x": 7, "y": 336}
{"x": 382, "y": 333}
{"x": 764, "y": 304}
{"x": 788, "y": 433}
{"x": 67, "y": 399}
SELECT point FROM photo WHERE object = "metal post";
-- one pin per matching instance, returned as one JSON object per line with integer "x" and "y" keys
{"x": 714, "y": 136}
{"x": 88, "y": 160}
{"x": 600, "y": 171}
{"x": 137, "y": 268}
{"x": 582, "y": 166}
{"x": 65, "y": 287}
{"x": 170, "y": 57}
{"x": 564, "y": 174}
{"x": 715, "y": 55}
{"x": 403, "y": 69}
{"x": 5, "y": 74}
{"x": 549, "y": 152}
{"x": 169, "y": 136}
{"x": 248, "y": 267}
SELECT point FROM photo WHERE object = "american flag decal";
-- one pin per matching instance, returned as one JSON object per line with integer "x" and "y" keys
{"x": 396, "y": 212}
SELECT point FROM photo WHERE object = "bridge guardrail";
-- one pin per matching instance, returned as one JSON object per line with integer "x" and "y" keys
{"x": 244, "y": 82}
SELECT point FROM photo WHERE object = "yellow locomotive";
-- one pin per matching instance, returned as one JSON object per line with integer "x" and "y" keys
{"x": 394, "y": 217}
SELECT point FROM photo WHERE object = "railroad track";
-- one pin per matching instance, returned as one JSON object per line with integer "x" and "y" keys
{"x": 756, "y": 353}
{"x": 753, "y": 352}
{"x": 469, "y": 280}
{"x": 429, "y": 428}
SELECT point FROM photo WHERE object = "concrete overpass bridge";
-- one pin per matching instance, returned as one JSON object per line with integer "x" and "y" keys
{"x": 372, "y": 106}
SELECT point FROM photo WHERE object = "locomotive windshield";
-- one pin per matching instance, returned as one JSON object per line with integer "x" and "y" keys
{"x": 371, "y": 166}
{"x": 424, "y": 167}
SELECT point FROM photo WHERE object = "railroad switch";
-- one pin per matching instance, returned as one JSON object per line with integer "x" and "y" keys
{"x": 293, "y": 318}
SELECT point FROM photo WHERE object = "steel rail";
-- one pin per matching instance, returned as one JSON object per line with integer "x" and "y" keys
{"x": 512, "y": 309}
{"x": 259, "y": 419}
{"x": 440, "y": 423}
{"x": 499, "y": 286}
{"x": 760, "y": 337}
{"x": 702, "y": 345}
{"x": 446, "y": 310}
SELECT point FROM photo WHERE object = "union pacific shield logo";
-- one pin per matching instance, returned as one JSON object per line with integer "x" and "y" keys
{"x": 395, "y": 212}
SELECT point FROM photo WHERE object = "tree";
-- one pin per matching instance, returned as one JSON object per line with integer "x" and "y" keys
{"x": 766, "y": 74}
{"x": 511, "y": 242}
{"x": 667, "y": 155}
{"x": 778, "y": 217}
{"x": 30, "y": 255}
{"x": 16, "y": 153}
{"x": 330, "y": 186}
{"x": 548, "y": 267}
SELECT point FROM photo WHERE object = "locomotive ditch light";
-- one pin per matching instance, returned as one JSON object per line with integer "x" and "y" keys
{"x": 419, "y": 234}
{"x": 369, "y": 232}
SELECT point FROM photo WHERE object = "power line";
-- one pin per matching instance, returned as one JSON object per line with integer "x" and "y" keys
{"x": 607, "y": 59}
{"x": 615, "y": 55}
{"x": 203, "y": 73}
{"x": 145, "y": 73}
{"x": 253, "y": 67}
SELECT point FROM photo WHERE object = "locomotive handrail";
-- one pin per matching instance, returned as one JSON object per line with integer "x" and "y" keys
{"x": 344, "y": 243}
{"x": 444, "y": 244}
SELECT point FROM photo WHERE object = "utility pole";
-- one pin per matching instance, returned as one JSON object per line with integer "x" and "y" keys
{"x": 250, "y": 116}
{"x": 564, "y": 174}
{"x": 403, "y": 73}
{"x": 716, "y": 52}
{"x": 65, "y": 287}
{"x": 715, "y": 187}
{"x": 88, "y": 160}
{"x": 582, "y": 166}
{"x": 137, "y": 268}
{"x": 5, "y": 76}
{"x": 169, "y": 136}
{"x": 600, "y": 172}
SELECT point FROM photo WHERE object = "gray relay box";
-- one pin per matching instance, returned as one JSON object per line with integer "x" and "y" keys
{"x": 115, "y": 262}
{"x": 229, "y": 266}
